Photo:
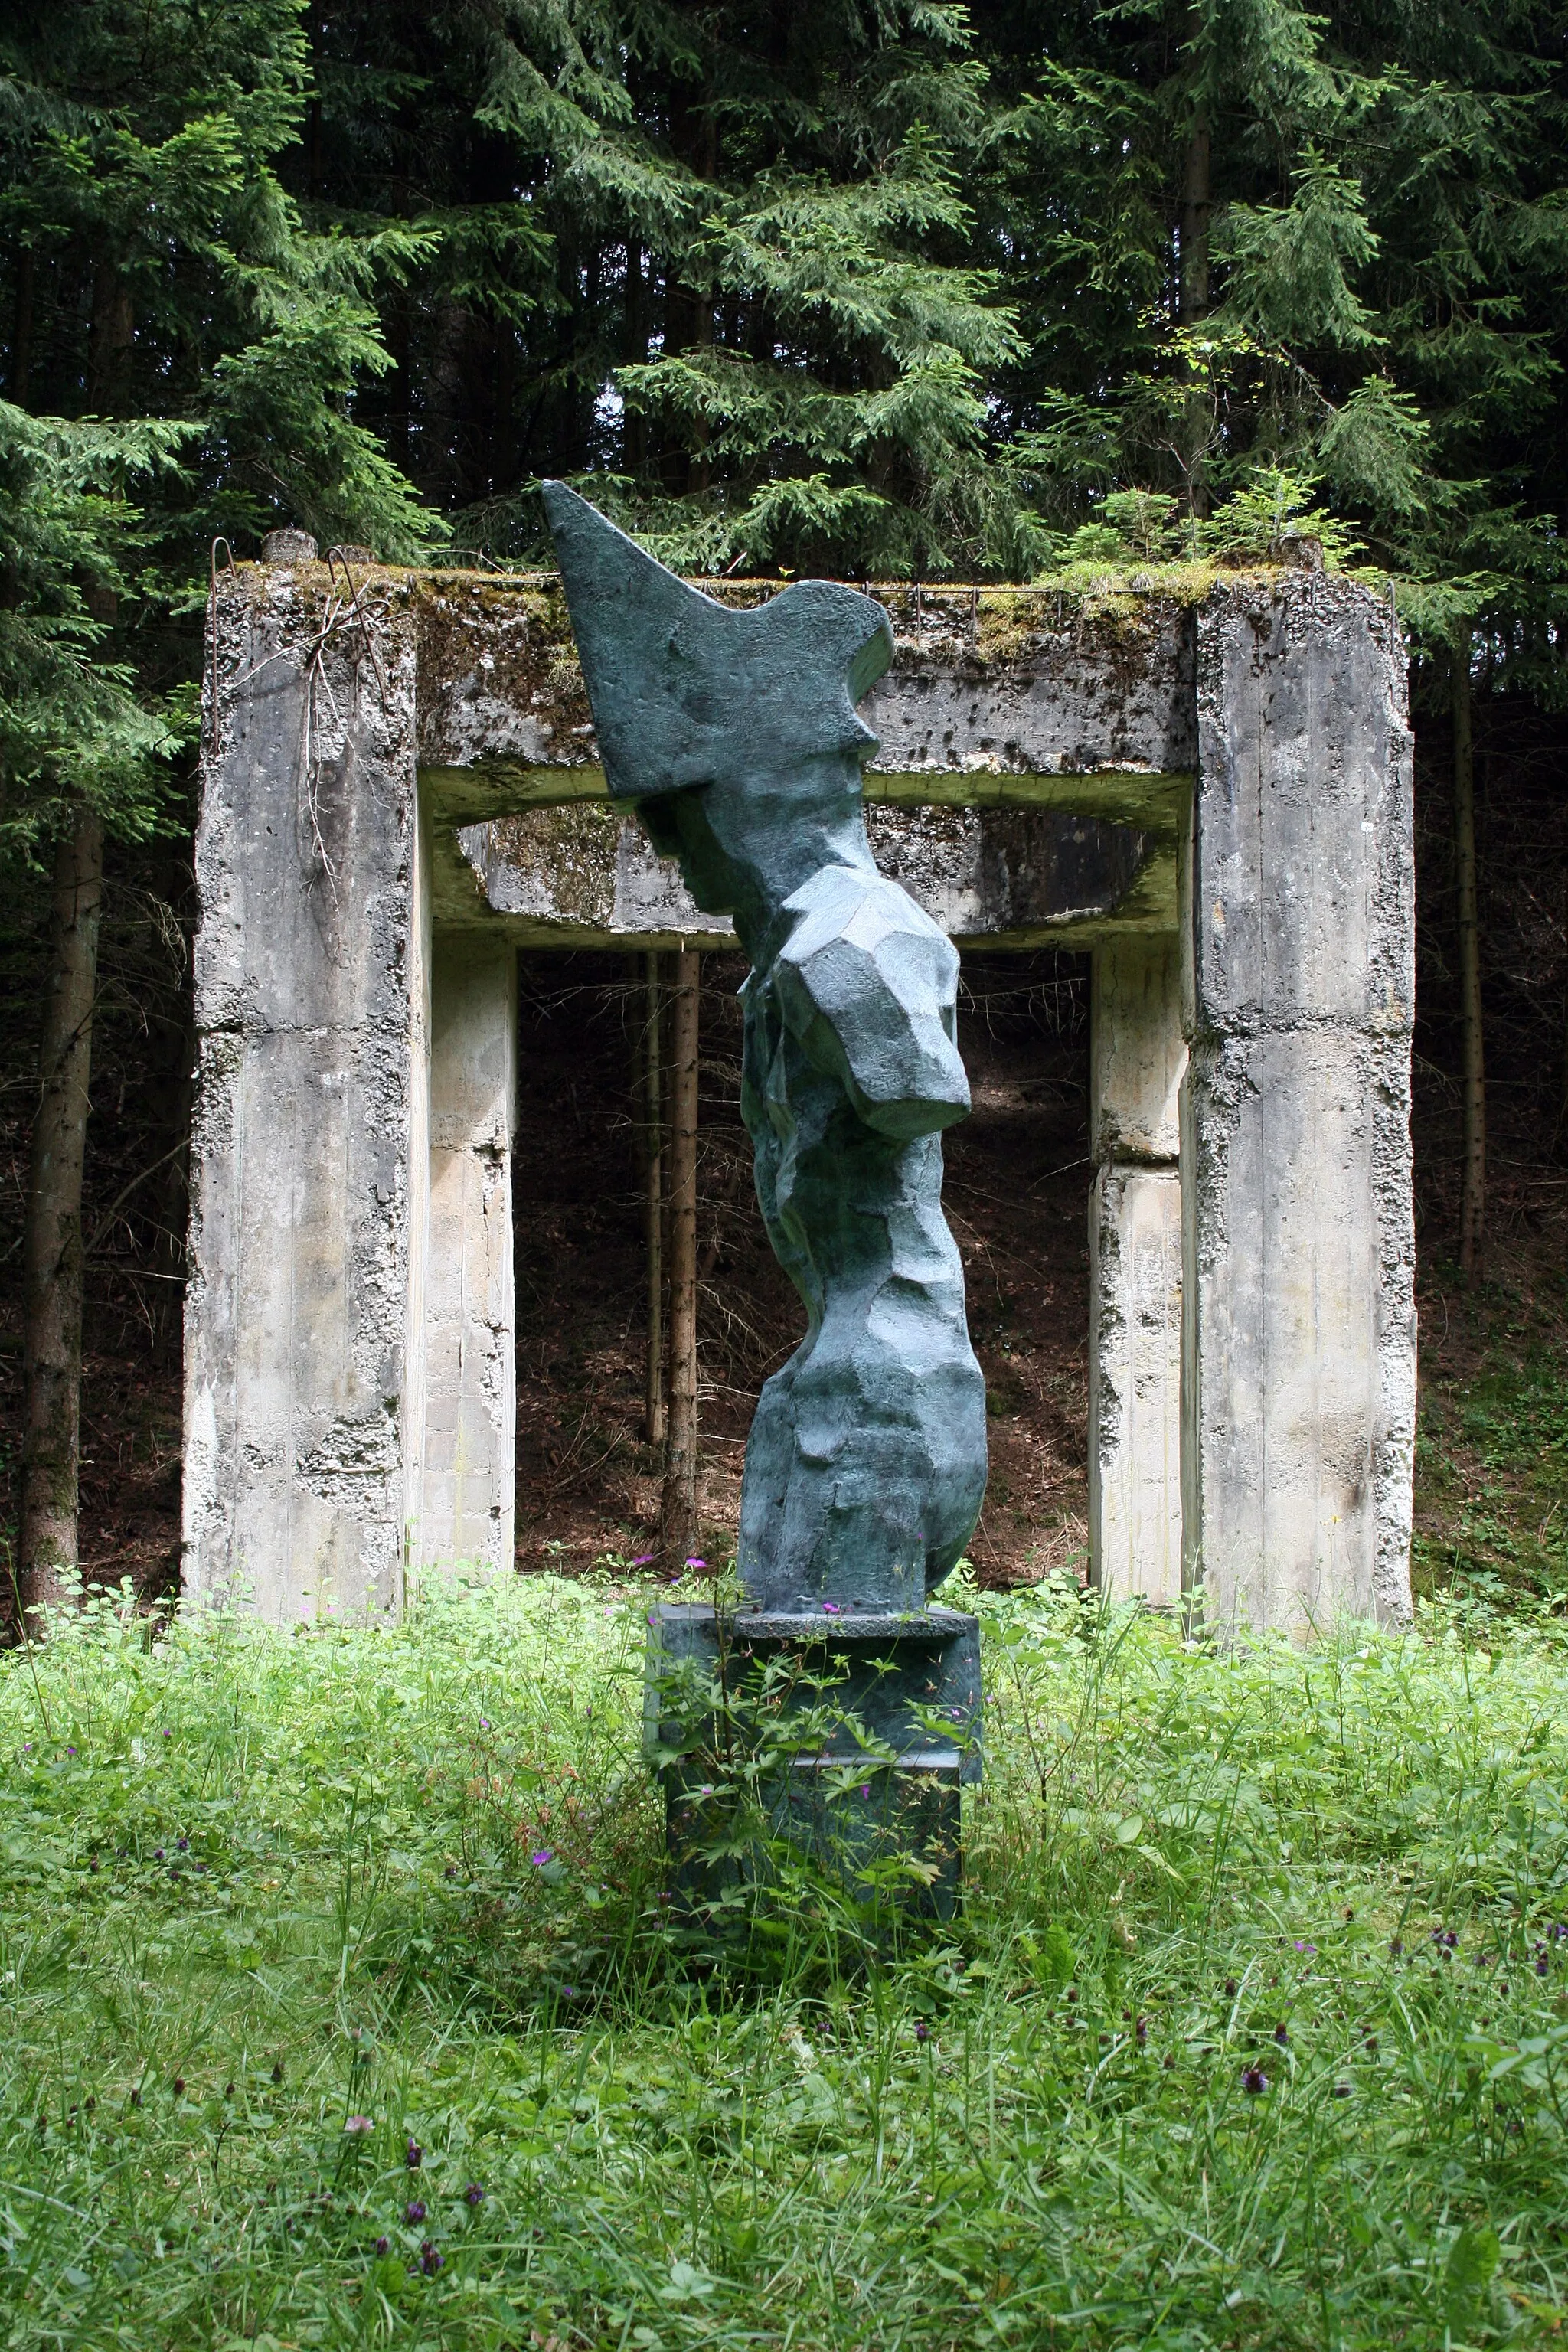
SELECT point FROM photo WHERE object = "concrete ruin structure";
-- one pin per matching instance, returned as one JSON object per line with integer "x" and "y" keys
{"x": 1209, "y": 791}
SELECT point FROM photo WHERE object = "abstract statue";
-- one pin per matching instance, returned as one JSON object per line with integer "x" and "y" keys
{"x": 735, "y": 734}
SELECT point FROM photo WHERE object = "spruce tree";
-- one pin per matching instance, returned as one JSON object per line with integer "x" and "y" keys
{"x": 181, "y": 351}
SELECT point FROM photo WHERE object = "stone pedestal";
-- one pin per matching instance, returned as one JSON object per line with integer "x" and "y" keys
{"x": 799, "y": 1689}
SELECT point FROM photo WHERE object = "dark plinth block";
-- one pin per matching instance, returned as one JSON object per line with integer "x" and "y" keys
{"x": 843, "y": 1735}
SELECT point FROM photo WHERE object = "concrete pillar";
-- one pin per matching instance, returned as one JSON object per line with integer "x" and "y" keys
{"x": 470, "y": 1380}
{"x": 1137, "y": 1056}
{"x": 302, "y": 1436}
{"x": 1298, "y": 908}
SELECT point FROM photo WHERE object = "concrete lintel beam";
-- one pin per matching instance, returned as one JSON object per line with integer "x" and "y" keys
{"x": 994, "y": 697}
{"x": 1153, "y": 801}
{"x": 584, "y": 875}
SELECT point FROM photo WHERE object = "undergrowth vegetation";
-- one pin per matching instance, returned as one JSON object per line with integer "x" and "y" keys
{"x": 1492, "y": 1446}
{"x": 340, "y": 2005}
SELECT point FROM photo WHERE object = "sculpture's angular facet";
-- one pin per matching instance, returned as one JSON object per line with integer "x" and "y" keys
{"x": 736, "y": 734}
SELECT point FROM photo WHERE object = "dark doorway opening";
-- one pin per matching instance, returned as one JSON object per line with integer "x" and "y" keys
{"x": 1016, "y": 1194}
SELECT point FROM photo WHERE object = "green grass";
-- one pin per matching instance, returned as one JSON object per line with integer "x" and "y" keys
{"x": 1492, "y": 1447}
{"x": 1032, "y": 2129}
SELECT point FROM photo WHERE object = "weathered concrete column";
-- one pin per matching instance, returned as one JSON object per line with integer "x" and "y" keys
{"x": 470, "y": 1378}
{"x": 1137, "y": 1055}
{"x": 1299, "y": 1327}
{"x": 301, "y": 1424}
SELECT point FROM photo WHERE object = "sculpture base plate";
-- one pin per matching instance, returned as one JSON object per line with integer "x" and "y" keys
{"x": 887, "y": 1828}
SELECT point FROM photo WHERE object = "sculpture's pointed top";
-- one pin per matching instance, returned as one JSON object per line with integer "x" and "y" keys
{"x": 684, "y": 690}
{"x": 608, "y": 575}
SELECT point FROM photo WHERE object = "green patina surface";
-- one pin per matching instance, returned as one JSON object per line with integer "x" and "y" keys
{"x": 734, "y": 734}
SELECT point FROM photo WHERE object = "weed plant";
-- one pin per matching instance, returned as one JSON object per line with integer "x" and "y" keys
{"x": 789, "y": 1828}
{"x": 341, "y": 2007}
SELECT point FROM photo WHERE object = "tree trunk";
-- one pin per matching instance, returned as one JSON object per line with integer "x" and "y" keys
{"x": 634, "y": 430}
{"x": 653, "y": 1201}
{"x": 1195, "y": 303}
{"x": 1561, "y": 1136}
{"x": 52, "y": 1250}
{"x": 678, "y": 1513}
{"x": 313, "y": 107}
{"x": 1193, "y": 284}
{"x": 109, "y": 338}
{"x": 1473, "y": 1188}
{"x": 22, "y": 326}
{"x": 1195, "y": 277}
{"x": 52, "y": 1235}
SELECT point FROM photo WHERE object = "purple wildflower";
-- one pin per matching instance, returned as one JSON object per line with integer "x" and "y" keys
{"x": 474, "y": 2193}
{"x": 484, "y": 1723}
{"x": 414, "y": 2156}
{"x": 831, "y": 1609}
{"x": 384, "y": 2245}
{"x": 430, "y": 2260}
{"x": 540, "y": 1856}
{"x": 1306, "y": 1947}
{"x": 157, "y": 1854}
{"x": 922, "y": 2030}
{"x": 696, "y": 1563}
{"x": 645, "y": 1560}
{"x": 357, "y": 2125}
{"x": 413, "y": 2211}
{"x": 1254, "y": 2080}
{"x": 167, "y": 1733}
{"x": 865, "y": 1788}
{"x": 1282, "y": 2035}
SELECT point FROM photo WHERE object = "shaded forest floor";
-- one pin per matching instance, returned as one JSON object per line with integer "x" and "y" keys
{"x": 1492, "y": 1461}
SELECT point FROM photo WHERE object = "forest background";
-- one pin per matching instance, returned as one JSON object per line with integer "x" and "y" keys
{"x": 875, "y": 288}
